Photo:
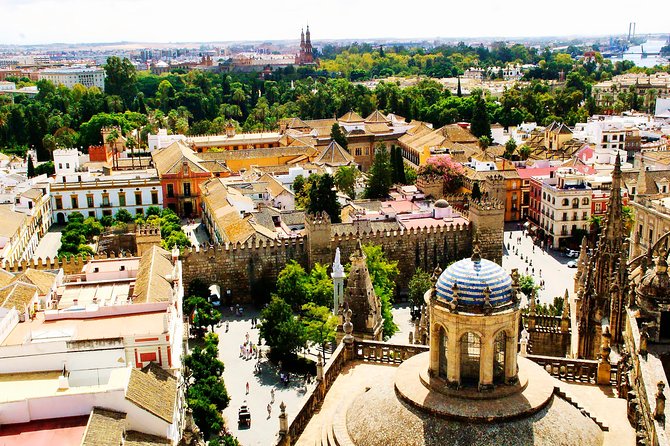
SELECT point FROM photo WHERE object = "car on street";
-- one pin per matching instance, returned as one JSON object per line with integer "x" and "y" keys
{"x": 572, "y": 264}
{"x": 571, "y": 253}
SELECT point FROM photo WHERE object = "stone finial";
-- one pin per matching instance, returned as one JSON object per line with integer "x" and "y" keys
{"x": 525, "y": 337}
{"x": 487, "y": 300}
{"x": 282, "y": 407}
{"x": 566, "y": 305}
{"x": 454, "y": 300}
{"x": 659, "y": 411}
{"x": 644, "y": 337}
{"x": 347, "y": 326}
{"x": 662, "y": 261}
{"x": 283, "y": 419}
{"x": 476, "y": 253}
{"x": 515, "y": 277}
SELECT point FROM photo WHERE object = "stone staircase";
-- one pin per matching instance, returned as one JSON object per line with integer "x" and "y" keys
{"x": 562, "y": 393}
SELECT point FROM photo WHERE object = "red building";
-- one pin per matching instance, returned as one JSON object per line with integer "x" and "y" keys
{"x": 305, "y": 56}
{"x": 181, "y": 173}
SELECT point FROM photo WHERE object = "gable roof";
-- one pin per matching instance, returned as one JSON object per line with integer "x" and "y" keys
{"x": 154, "y": 390}
{"x": 170, "y": 159}
{"x": 334, "y": 155}
{"x": 134, "y": 438}
{"x": 351, "y": 116}
{"x": 6, "y": 277}
{"x": 43, "y": 280}
{"x": 377, "y": 117}
{"x": 104, "y": 428}
{"x": 10, "y": 221}
{"x": 18, "y": 294}
{"x": 151, "y": 283}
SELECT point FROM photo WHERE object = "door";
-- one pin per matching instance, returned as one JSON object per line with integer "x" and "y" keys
{"x": 188, "y": 209}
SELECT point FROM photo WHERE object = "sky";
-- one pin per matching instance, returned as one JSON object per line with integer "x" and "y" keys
{"x": 78, "y": 21}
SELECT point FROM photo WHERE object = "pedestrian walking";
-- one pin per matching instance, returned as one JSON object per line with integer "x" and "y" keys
{"x": 269, "y": 410}
{"x": 272, "y": 395}
{"x": 247, "y": 387}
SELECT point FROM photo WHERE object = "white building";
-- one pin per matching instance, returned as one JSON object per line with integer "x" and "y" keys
{"x": 162, "y": 139}
{"x": 114, "y": 341}
{"x": 94, "y": 194}
{"x": 86, "y": 76}
{"x": 566, "y": 204}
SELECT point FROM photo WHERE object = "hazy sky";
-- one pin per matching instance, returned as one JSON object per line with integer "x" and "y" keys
{"x": 71, "y": 21}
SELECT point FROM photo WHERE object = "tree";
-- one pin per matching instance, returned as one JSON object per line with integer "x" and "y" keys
{"x": 524, "y": 152}
{"x": 398, "y": 166}
{"x": 379, "y": 175}
{"x": 301, "y": 191}
{"x": 452, "y": 173}
{"x": 484, "y": 142}
{"x": 476, "y": 193}
{"x": 282, "y": 331}
{"x": 480, "y": 124}
{"x": 510, "y": 148}
{"x": 31, "y": 167}
{"x": 527, "y": 285}
{"x": 345, "y": 180}
{"x": 319, "y": 323}
{"x": 418, "y": 285}
{"x": 382, "y": 274}
{"x": 292, "y": 285}
{"x": 337, "y": 135}
{"x": 323, "y": 197}
{"x": 121, "y": 79}
{"x": 459, "y": 93}
{"x": 124, "y": 216}
{"x": 202, "y": 313}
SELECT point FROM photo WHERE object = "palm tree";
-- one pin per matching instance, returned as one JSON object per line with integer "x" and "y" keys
{"x": 131, "y": 143}
{"x": 111, "y": 139}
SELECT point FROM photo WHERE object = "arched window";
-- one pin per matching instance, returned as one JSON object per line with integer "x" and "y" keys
{"x": 585, "y": 201}
{"x": 565, "y": 202}
{"x": 575, "y": 202}
{"x": 470, "y": 354}
{"x": 499, "y": 358}
{"x": 444, "y": 346}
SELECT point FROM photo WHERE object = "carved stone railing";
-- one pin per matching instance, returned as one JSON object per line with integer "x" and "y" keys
{"x": 374, "y": 351}
{"x": 543, "y": 323}
{"x": 566, "y": 369}
{"x": 330, "y": 373}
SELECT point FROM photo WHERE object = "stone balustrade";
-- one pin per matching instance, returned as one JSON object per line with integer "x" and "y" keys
{"x": 386, "y": 353}
{"x": 575, "y": 370}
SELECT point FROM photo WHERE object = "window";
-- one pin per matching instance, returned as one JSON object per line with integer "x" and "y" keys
{"x": 170, "y": 190}
{"x": 139, "y": 211}
{"x": 575, "y": 202}
{"x": 585, "y": 201}
{"x": 67, "y": 165}
{"x": 367, "y": 151}
{"x": 585, "y": 215}
{"x": 91, "y": 214}
{"x": 565, "y": 202}
{"x": 60, "y": 165}
{"x": 107, "y": 212}
{"x": 138, "y": 197}
{"x": 89, "y": 201}
{"x": 75, "y": 202}
{"x": 105, "y": 199}
{"x": 358, "y": 151}
{"x": 122, "y": 199}
{"x": 187, "y": 189}
{"x": 59, "y": 203}
{"x": 154, "y": 197}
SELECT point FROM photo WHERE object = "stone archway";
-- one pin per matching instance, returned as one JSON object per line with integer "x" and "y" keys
{"x": 444, "y": 345}
{"x": 471, "y": 348}
{"x": 499, "y": 357}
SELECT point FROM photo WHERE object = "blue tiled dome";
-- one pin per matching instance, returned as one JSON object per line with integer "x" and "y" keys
{"x": 472, "y": 278}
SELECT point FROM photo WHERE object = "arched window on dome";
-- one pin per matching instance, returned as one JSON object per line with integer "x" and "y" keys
{"x": 499, "y": 347}
{"x": 444, "y": 345}
{"x": 470, "y": 355}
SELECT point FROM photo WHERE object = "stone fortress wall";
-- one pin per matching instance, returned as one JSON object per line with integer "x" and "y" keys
{"x": 250, "y": 270}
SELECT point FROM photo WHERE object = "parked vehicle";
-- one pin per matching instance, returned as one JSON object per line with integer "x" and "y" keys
{"x": 572, "y": 264}
{"x": 571, "y": 253}
{"x": 244, "y": 416}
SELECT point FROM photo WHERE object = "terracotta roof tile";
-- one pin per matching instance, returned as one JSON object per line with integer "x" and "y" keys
{"x": 43, "y": 280}
{"x": 154, "y": 390}
{"x": 134, "y": 438}
{"x": 17, "y": 294}
{"x": 151, "y": 283}
{"x": 104, "y": 428}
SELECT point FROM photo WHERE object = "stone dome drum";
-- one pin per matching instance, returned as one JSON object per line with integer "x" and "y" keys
{"x": 473, "y": 279}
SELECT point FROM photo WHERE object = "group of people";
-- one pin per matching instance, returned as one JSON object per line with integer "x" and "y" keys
{"x": 249, "y": 350}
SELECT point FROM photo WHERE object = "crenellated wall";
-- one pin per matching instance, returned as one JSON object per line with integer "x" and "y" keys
{"x": 249, "y": 271}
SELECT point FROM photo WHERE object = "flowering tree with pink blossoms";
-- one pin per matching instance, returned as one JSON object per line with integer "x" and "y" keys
{"x": 443, "y": 166}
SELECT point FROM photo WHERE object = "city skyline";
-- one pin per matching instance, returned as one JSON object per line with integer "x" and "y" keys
{"x": 31, "y": 22}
